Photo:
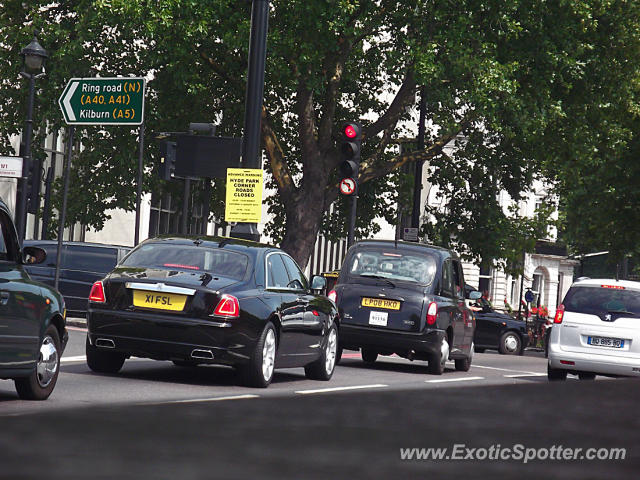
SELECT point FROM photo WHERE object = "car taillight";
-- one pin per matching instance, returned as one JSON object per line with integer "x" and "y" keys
{"x": 559, "y": 314}
{"x": 97, "y": 293}
{"x": 228, "y": 306}
{"x": 432, "y": 313}
{"x": 333, "y": 296}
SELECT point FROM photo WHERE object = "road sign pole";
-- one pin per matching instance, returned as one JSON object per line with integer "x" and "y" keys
{"x": 136, "y": 238}
{"x": 352, "y": 217}
{"x": 63, "y": 212}
{"x": 251, "y": 153}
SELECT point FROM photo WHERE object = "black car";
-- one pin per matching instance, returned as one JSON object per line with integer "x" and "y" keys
{"x": 404, "y": 298}
{"x": 212, "y": 300}
{"x": 81, "y": 265}
{"x": 33, "y": 334}
{"x": 498, "y": 331}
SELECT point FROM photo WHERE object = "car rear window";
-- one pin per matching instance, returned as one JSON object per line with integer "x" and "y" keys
{"x": 598, "y": 300}
{"x": 394, "y": 265}
{"x": 218, "y": 262}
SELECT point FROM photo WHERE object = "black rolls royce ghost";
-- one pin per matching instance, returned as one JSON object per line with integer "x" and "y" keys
{"x": 204, "y": 300}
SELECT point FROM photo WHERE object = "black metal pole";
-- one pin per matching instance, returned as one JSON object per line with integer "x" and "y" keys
{"x": 46, "y": 210}
{"x": 206, "y": 205}
{"x": 522, "y": 285}
{"x": 251, "y": 153}
{"x": 417, "y": 181}
{"x": 352, "y": 218}
{"x": 21, "y": 204}
{"x": 63, "y": 212}
{"x": 185, "y": 205}
{"x": 136, "y": 237}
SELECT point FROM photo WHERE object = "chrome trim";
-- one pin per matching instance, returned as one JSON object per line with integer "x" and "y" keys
{"x": 203, "y": 354}
{"x": 105, "y": 343}
{"x": 266, "y": 273}
{"x": 160, "y": 287}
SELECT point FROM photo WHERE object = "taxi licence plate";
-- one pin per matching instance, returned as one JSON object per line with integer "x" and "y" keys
{"x": 381, "y": 303}
{"x": 159, "y": 301}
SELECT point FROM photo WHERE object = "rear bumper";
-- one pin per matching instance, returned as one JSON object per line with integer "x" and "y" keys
{"x": 601, "y": 363}
{"x": 353, "y": 337}
{"x": 166, "y": 337}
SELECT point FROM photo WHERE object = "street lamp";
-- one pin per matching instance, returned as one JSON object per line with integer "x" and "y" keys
{"x": 33, "y": 56}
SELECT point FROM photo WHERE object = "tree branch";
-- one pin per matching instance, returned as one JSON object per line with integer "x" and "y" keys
{"x": 276, "y": 157}
{"x": 403, "y": 97}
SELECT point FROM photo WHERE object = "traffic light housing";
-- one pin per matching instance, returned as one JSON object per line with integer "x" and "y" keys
{"x": 350, "y": 143}
{"x": 167, "y": 160}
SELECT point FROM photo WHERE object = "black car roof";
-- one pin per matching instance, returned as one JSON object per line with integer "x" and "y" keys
{"x": 237, "y": 244}
{"x": 66, "y": 242}
{"x": 418, "y": 247}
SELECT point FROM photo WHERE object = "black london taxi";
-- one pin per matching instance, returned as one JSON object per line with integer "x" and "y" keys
{"x": 404, "y": 298}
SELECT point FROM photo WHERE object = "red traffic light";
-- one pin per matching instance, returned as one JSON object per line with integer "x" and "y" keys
{"x": 350, "y": 131}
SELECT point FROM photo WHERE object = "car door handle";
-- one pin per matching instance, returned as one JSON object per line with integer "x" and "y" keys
{"x": 4, "y": 298}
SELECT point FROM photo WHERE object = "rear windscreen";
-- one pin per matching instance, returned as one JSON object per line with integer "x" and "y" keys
{"x": 597, "y": 300}
{"x": 394, "y": 265}
{"x": 218, "y": 262}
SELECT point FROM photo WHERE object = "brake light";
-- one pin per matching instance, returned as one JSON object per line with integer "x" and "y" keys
{"x": 97, "y": 293}
{"x": 333, "y": 296}
{"x": 180, "y": 265}
{"x": 615, "y": 287}
{"x": 432, "y": 313}
{"x": 559, "y": 314}
{"x": 228, "y": 306}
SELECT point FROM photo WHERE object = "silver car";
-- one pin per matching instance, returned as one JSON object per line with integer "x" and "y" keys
{"x": 596, "y": 330}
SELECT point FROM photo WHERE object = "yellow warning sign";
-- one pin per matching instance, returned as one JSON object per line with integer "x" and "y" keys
{"x": 244, "y": 195}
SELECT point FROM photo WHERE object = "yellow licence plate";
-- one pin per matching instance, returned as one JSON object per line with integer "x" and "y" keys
{"x": 159, "y": 301}
{"x": 381, "y": 303}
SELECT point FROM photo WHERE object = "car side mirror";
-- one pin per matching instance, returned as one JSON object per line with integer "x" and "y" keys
{"x": 33, "y": 255}
{"x": 318, "y": 284}
{"x": 475, "y": 295}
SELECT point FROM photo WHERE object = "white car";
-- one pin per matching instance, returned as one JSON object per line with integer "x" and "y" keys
{"x": 596, "y": 330}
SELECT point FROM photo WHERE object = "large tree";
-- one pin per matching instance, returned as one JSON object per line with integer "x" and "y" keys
{"x": 496, "y": 73}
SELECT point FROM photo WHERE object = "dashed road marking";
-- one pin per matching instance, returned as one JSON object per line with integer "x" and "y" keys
{"x": 340, "y": 389}
{"x": 447, "y": 380}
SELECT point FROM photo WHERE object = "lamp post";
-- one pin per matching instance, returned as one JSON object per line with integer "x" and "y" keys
{"x": 33, "y": 56}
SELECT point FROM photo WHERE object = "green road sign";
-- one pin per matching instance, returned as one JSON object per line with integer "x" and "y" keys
{"x": 103, "y": 101}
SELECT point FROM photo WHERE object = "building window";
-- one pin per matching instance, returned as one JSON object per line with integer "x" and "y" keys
{"x": 484, "y": 280}
{"x": 537, "y": 288}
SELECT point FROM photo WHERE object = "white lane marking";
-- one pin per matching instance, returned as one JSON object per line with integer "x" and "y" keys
{"x": 340, "y": 389}
{"x": 201, "y": 400}
{"x": 76, "y": 329}
{"x": 524, "y": 375}
{"x": 78, "y": 358}
{"x": 505, "y": 369}
{"x": 461, "y": 379}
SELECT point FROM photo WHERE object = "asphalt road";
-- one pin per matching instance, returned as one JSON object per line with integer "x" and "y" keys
{"x": 155, "y": 420}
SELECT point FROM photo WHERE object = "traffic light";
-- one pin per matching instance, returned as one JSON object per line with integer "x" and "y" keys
{"x": 167, "y": 160}
{"x": 350, "y": 142}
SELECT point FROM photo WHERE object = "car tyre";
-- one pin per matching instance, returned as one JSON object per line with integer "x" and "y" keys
{"x": 464, "y": 364}
{"x": 437, "y": 362}
{"x": 323, "y": 368}
{"x": 42, "y": 381}
{"x": 339, "y": 354}
{"x": 586, "y": 376}
{"x": 369, "y": 355}
{"x": 510, "y": 344}
{"x": 258, "y": 373}
{"x": 556, "y": 374}
{"x": 103, "y": 361}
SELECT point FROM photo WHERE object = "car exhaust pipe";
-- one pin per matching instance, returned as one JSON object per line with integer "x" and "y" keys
{"x": 202, "y": 354}
{"x": 105, "y": 343}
